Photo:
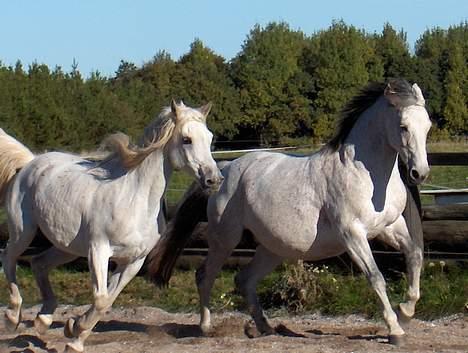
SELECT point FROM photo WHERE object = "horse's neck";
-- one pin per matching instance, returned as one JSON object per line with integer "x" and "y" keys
{"x": 370, "y": 144}
{"x": 150, "y": 178}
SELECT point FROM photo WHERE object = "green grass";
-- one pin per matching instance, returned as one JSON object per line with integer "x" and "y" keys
{"x": 294, "y": 288}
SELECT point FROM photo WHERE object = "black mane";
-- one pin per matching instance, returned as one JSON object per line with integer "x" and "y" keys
{"x": 363, "y": 101}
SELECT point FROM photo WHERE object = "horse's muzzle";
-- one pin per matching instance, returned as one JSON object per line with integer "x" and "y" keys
{"x": 211, "y": 181}
{"x": 417, "y": 176}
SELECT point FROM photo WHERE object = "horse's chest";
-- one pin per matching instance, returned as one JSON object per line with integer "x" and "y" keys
{"x": 133, "y": 245}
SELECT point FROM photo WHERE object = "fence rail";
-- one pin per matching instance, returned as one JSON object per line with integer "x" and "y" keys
{"x": 445, "y": 226}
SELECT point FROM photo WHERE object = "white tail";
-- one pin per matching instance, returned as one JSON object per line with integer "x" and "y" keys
{"x": 13, "y": 156}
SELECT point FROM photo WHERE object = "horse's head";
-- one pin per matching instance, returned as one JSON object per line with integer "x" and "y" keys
{"x": 189, "y": 148}
{"x": 409, "y": 130}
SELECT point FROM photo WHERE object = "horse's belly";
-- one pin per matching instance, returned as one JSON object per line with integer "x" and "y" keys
{"x": 327, "y": 244}
{"x": 62, "y": 231}
{"x": 289, "y": 239}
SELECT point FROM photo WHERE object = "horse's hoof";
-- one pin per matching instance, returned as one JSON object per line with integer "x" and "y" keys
{"x": 69, "y": 328}
{"x": 74, "y": 347}
{"x": 42, "y": 323}
{"x": 396, "y": 340}
{"x": 267, "y": 331}
{"x": 206, "y": 329}
{"x": 403, "y": 318}
{"x": 12, "y": 321}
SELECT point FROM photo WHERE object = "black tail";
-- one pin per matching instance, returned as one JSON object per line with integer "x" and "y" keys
{"x": 190, "y": 211}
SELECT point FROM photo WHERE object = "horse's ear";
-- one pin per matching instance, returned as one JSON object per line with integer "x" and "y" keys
{"x": 175, "y": 108}
{"x": 419, "y": 96}
{"x": 205, "y": 109}
{"x": 391, "y": 96}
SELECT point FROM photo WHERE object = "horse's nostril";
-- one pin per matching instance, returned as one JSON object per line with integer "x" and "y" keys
{"x": 209, "y": 182}
{"x": 414, "y": 174}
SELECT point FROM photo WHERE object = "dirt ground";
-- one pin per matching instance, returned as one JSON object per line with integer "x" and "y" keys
{"x": 148, "y": 329}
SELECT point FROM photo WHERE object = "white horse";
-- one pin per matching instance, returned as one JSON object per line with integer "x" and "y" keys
{"x": 108, "y": 210}
{"x": 317, "y": 206}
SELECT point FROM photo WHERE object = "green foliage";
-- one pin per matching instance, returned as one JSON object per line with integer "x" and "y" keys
{"x": 268, "y": 77}
{"x": 305, "y": 288}
{"x": 203, "y": 77}
{"x": 441, "y": 57}
{"x": 455, "y": 110}
{"x": 282, "y": 85}
{"x": 392, "y": 49}
{"x": 341, "y": 60}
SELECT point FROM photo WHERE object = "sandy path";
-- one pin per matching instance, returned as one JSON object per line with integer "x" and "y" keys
{"x": 148, "y": 329}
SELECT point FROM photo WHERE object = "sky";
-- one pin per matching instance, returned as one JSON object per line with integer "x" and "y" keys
{"x": 98, "y": 34}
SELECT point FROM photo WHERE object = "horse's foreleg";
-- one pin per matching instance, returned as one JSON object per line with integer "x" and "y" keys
{"x": 98, "y": 259}
{"x": 117, "y": 282}
{"x": 121, "y": 276}
{"x": 205, "y": 277}
{"x": 263, "y": 263}
{"x": 41, "y": 265}
{"x": 358, "y": 248}
{"x": 411, "y": 245}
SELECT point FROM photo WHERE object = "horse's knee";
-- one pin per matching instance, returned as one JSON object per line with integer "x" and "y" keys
{"x": 101, "y": 302}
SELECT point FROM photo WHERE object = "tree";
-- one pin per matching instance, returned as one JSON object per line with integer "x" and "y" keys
{"x": 455, "y": 110}
{"x": 441, "y": 57}
{"x": 341, "y": 60}
{"x": 265, "y": 72}
{"x": 430, "y": 69}
{"x": 392, "y": 49}
{"x": 201, "y": 77}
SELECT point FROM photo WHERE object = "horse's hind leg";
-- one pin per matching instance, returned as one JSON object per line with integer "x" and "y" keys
{"x": 41, "y": 265}
{"x": 263, "y": 263}
{"x": 20, "y": 236}
{"x": 411, "y": 245}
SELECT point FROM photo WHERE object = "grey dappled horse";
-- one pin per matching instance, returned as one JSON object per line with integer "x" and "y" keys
{"x": 317, "y": 206}
{"x": 108, "y": 210}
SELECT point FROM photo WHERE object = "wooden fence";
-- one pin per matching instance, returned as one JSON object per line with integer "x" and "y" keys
{"x": 445, "y": 227}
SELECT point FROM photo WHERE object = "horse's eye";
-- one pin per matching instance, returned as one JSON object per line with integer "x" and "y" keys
{"x": 404, "y": 128}
{"x": 187, "y": 141}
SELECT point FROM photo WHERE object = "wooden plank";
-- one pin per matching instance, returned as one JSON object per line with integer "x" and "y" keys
{"x": 446, "y": 234}
{"x": 448, "y": 158}
{"x": 456, "y": 212}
